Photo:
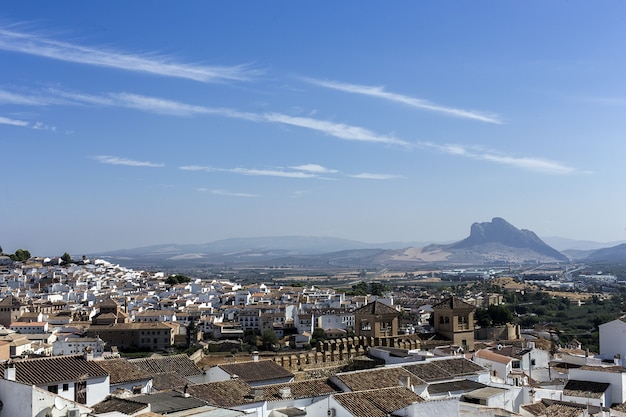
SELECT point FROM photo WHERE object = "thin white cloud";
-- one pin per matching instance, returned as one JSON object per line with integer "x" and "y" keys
{"x": 10, "y": 97}
{"x": 251, "y": 172}
{"x": 232, "y": 194}
{"x": 24, "y": 123}
{"x": 372, "y": 176}
{"x": 338, "y": 130}
{"x": 43, "y": 126}
{"x": 528, "y": 163}
{"x": 13, "y": 122}
{"x": 271, "y": 173}
{"x": 115, "y": 160}
{"x": 198, "y": 168}
{"x": 171, "y": 107}
{"x": 314, "y": 168}
{"x": 33, "y": 44}
{"x": 379, "y": 92}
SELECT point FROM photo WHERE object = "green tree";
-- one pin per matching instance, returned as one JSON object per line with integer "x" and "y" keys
{"x": 269, "y": 340}
{"x": 66, "y": 259}
{"x": 177, "y": 279}
{"x": 493, "y": 316}
{"x": 500, "y": 314}
{"x": 319, "y": 335}
{"x": 20, "y": 255}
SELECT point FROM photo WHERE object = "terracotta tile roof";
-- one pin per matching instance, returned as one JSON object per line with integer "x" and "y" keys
{"x": 493, "y": 356}
{"x": 40, "y": 371}
{"x": 10, "y": 301}
{"x": 257, "y": 371}
{"x": 180, "y": 364}
{"x": 556, "y": 409}
{"x": 377, "y": 403}
{"x": 377, "y": 378}
{"x": 613, "y": 369}
{"x": 300, "y": 389}
{"x": 121, "y": 371}
{"x": 168, "y": 381}
{"x": 236, "y": 392}
{"x": 223, "y": 393}
{"x": 536, "y": 409}
{"x": 452, "y": 303}
{"x": 444, "y": 369}
{"x": 376, "y": 308}
{"x": 585, "y": 389}
{"x": 121, "y": 405}
{"x": 619, "y": 407}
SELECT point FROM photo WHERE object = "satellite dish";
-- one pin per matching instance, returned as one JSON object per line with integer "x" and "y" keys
{"x": 499, "y": 347}
{"x": 59, "y": 404}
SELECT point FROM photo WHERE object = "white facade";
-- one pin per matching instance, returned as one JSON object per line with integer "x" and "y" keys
{"x": 617, "y": 390}
{"x": 74, "y": 345}
{"x": 22, "y": 400}
{"x": 335, "y": 319}
{"x": 613, "y": 339}
{"x": 98, "y": 388}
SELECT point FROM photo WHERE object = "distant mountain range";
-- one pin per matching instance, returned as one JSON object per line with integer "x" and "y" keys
{"x": 489, "y": 243}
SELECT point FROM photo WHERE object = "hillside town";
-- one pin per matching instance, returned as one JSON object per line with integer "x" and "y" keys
{"x": 92, "y": 338}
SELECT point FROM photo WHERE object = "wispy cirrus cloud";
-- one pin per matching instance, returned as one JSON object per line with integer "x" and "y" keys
{"x": 314, "y": 168}
{"x": 13, "y": 122}
{"x": 37, "y": 45}
{"x": 527, "y": 163}
{"x": 24, "y": 123}
{"x": 251, "y": 171}
{"x": 338, "y": 130}
{"x": 116, "y": 160}
{"x": 176, "y": 108}
{"x": 232, "y": 194}
{"x": 380, "y": 92}
{"x": 10, "y": 97}
{"x": 372, "y": 176}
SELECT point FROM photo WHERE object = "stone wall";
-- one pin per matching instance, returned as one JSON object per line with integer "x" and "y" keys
{"x": 346, "y": 353}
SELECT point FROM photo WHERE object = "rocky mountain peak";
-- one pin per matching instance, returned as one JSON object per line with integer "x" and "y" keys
{"x": 501, "y": 232}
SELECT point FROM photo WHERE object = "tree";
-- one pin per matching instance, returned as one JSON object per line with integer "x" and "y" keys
{"x": 20, "y": 255}
{"x": 66, "y": 259}
{"x": 500, "y": 314}
{"x": 177, "y": 279}
{"x": 493, "y": 316}
{"x": 269, "y": 340}
{"x": 319, "y": 335}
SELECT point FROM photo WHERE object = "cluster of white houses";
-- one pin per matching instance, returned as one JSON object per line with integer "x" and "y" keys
{"x": 60, "y": 323}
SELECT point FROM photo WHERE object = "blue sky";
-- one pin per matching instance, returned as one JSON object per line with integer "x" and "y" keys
{"x": 124, "y": 124}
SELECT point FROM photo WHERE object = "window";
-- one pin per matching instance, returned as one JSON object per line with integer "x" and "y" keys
{"x": 66, "y": 387}
{"x": 53, "y": 389}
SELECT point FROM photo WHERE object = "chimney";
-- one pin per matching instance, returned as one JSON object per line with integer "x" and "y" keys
{"x": 255, "y": 356}
{"x": 88, "y": 355}
{"x": 285, "y": 392}
{"x": 405, "y": 381}
{"x": 257, "y": 394}
{"x": 9, "y": 371}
